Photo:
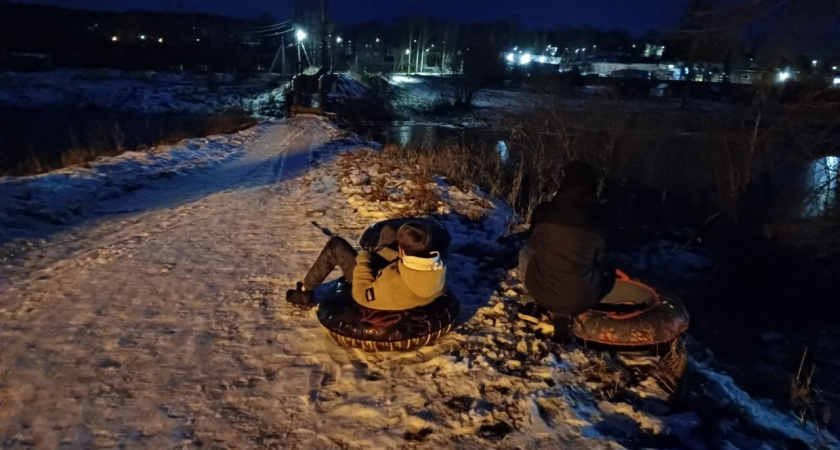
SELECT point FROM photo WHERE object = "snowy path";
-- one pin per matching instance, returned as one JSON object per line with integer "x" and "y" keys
{"x": 143, "y": 329}
{"x": 160, "y": 323}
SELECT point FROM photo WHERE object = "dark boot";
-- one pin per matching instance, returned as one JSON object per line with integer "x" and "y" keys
{"x": 300, "y": 298}
{"x": 563, "y": 329}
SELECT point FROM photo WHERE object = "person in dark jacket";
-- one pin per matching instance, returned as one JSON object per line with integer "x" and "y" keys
{"x": 564, "y": 263}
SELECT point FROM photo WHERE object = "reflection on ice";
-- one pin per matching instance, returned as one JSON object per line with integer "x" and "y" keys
{"x": 823, "y": 182}
{"x": 502, "y": 149}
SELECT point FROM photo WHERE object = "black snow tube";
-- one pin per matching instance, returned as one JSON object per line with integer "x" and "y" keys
{"x": 352, "y": 325}
{"x": 634, "y": 314}
{"x": 440, "y": 237}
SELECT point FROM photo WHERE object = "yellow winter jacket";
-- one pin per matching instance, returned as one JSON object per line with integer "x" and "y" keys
{"x": 401, "y": 283}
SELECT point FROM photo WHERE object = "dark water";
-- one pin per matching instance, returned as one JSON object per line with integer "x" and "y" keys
{"x": 427, "y": 135}
{"x": 44, "y": 134}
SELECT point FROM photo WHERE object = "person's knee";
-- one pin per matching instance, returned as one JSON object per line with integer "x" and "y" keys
{"x": 336, "y": 242}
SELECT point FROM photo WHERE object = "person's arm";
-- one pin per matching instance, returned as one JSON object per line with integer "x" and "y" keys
{"x": 363, "y": 278}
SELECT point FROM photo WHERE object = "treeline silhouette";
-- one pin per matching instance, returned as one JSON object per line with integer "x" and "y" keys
{"x": 133, "y": 40}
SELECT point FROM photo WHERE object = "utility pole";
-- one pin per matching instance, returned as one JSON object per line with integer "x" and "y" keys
{"x": 283, "y": 60}
{"x": 325, "y": 61}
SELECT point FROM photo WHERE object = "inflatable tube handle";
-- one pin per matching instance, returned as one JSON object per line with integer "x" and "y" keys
{"x": 621, "y": 275}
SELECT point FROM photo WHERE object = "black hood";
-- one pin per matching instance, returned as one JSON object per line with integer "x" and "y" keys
{"x": 579, "y": 186}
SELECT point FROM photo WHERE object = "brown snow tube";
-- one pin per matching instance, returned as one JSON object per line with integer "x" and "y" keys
{"x": 440, "y": 237}
{"x": 634, "y": 314}
{"x": 352, "y": 325}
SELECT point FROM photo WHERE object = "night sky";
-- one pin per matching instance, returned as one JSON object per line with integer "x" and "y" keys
{"x": 634, "y": 15}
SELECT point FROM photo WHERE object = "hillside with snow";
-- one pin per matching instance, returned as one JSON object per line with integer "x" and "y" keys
{"x": 147, "y": 92}
{"x": 141, "y": 305}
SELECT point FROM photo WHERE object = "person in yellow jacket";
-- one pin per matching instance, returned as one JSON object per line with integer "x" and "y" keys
{"x": 399, "y": 275}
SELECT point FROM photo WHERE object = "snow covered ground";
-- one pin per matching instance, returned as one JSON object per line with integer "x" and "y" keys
{"x": 156, "y": 319}
{"x": 149, "y": 92}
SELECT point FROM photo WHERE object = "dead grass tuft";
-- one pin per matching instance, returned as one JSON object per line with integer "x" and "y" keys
{"x": 805, "y": 399}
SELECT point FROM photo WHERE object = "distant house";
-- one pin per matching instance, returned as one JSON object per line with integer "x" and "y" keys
{"x": 631, "y": 73}
{"x": 746, "y": 76}
{"x": 621, "y": 69}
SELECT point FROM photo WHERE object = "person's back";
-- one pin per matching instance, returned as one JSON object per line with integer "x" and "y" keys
{"x": 412, "y": 275}
{"x": 567, "y": 246}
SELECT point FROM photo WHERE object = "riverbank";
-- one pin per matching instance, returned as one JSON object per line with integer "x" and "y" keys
{"x": 144, "y": 92}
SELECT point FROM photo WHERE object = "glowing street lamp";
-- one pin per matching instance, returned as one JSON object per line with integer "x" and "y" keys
{"x": 408, "y": 51}
{"x": 338, "y": 40}
{"x": 377, "y": 39}
{"x": 160, "y": 40}
{"x": 525, "y": 59}
{"x": 300, "y": 35}
{"x": 115, "y": 38}
{"x": 142, "y": 37}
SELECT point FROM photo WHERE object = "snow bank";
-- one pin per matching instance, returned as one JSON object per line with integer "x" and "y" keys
{"x": 728, "y": 396}
{"x": 419, "y": 94}
{"x": 347, "y": 89}
{"x": 148, "y": 92}
{"x": 58, "y": 197}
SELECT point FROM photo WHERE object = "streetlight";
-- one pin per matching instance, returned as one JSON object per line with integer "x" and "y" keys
{"x": 160, "y": 40}
{"x": 408, "y": 51}
{"x": 143, "y": 37}
{"x": 338, "y": 40}
{"x": 114, "y": 38}
{"x": 300, "y": 35}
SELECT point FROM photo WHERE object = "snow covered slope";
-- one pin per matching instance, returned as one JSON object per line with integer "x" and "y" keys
{"x": 157, "y": 320}
{"x": 150, "y": 92}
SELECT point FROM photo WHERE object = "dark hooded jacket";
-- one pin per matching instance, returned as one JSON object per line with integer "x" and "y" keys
{"x": 568, "y": 239}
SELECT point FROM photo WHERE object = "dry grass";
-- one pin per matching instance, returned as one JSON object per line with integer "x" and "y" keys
{"x": 805, "y": 399}
{"x": 102, "y": 140}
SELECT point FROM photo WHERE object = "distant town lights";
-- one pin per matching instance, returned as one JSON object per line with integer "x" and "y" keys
{"x": 510, "y": 57}
{"x": 525, "y": 59}
{"x": 143, "y": 37}
{"x": 160, "y": 40}
{"x": 115, "y": 38}
{"x": 377, "y": 39}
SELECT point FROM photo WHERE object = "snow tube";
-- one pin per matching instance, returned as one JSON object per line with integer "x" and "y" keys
{"x": 352, "y": 325}
{"x": 634, "y": 314}
{"x": 440, "y": 237}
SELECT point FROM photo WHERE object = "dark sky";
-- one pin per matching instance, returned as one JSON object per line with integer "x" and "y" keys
{"x": 635, "y": 15}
